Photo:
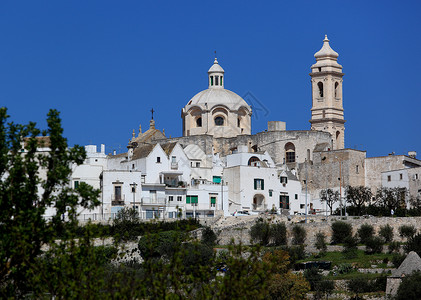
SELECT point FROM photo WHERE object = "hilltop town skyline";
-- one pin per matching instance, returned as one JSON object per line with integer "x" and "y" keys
{"x": 105, "y": 68}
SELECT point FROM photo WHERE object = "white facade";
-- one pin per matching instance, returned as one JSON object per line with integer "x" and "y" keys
{"x": 256, "y": 184}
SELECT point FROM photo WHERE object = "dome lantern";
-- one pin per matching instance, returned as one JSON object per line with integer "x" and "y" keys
{"x": 216, "y": 75}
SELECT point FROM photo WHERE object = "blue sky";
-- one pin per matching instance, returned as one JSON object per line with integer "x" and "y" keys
{"x": 105, "y": 64}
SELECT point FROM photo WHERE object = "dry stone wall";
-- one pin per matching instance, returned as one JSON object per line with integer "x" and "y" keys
{"x": 237, "y": 228}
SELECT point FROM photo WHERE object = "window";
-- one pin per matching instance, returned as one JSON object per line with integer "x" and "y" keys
{"x": 389, "y": 178}
{"x": 356, "y": 169}
{"x": 254, "y": 161}
{"x": 117, "y": 193}
{"x": 211, "y": 78}
{"x": 158, "y": 159}
{"x": 259, "y": 184}
{"x": 212, "y": 201}
{"x": 284, "y": 179}
{"x": 296, "y": 196}
{"x": 221, "y": 80}
{"x": 173, "y": 159}
{"x": 197, "y": 164}
{"x": 301, "y": 206}
{"x": 142, "y": 179}
{"x": 76, "y": 184}
{"x": 270, "y": 193}
{"x": 199, "y": 122}
{"x": 216, "y": 179}
{"x": 238, "y": 122}
{"x": 320, "y": 85}
{"x": 216, "y": 80}
{"x": 290, "y": 153}
{"x": 192, "y": 199}
{"x": 416, "y": 176}
{"x": 132, "y": 166}
{"x": 219, "y": 121}
{"x": 284, "y": 201}
{"x": 170, "y": 198}
{"x": 336, "y": 89}
{"x": 400, "y": 176}
{"x": 179, "y": 198}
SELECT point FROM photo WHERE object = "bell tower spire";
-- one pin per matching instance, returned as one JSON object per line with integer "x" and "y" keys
{"x": 327, "y": 113}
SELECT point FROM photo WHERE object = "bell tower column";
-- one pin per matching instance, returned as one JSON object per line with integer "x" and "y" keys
{"x": 327, "y": 113}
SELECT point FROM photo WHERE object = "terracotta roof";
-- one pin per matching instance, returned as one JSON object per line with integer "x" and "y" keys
{"x": 168, "y": 147}
{"x": 142, "y": 151}
{"x": 42, "y": 141}
{"x": 411, "y": 263}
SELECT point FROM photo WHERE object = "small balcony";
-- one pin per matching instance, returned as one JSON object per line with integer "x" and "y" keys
{"x": 174, "y": 166}
{"x": 117, "y": 200}
{"x": 159, "y": 200}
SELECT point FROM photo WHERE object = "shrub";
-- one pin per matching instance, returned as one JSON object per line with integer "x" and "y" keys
{"x": 365, "y": 232}
{"x": 397, "y": 259}
{"x": 407, "y": 231}
{"x": 296, "y": 253}
{"x": 126, "y": 225}
{"x": 321, "y": 242}
{"x": 410, "y": 287}
{"x": 209, "y": 237}
{"x": 260, "y": 232}
{"x": 298, "y": 235}
{"x": 350, "y": 246}
{"x": 413, "y": 244}
{"x": 344, "y": 268}
{"x": 195, "y": 255}
{"x": 386, "y": 232}
{"x": 394, "y": 247}
{"x": 374, "y": 245}
{"x": 162, "y": 244}
{"x": 340, "y": 231}
{"x": 361, "y": 284}
{"x": 278, "y": 233}
{"x": 318, "y": 283}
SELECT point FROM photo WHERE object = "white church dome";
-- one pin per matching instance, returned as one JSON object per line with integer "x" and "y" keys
{"x": 213, "y": 97}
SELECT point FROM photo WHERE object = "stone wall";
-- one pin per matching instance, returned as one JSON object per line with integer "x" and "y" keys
{"x": 237, "y": 228}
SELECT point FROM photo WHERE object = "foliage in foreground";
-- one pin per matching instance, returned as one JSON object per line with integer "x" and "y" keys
{"x": 23, "y": 229}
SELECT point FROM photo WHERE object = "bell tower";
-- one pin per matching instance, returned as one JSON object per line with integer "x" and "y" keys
{"x": 327, "y": 113}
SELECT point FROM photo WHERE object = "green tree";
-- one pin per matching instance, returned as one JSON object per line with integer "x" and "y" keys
{"x": 358, "y": 196}
{"x": 25, "y": 195}
{"x": 330, "y": 197}
{"x": 410, "y": 288}
{"x": 391, "y": 198}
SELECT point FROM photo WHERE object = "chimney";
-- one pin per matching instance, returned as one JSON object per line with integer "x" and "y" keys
{"x": 103, "y": 148}
{"x": 412, "y": 154}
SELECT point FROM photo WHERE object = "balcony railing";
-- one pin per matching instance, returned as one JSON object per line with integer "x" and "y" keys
{"x": 153, "y": 200}
{"x": 117, "y": 201}
{"x": 174, "y": 166}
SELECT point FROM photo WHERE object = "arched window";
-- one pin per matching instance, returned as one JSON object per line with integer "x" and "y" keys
{"x": 216, "y": 80}
{"x": 238, "y": 122}
{"x": 221, "y": 81}
{"x": 211, "y": 80}
{"x": 254, "y": 161}
{"x": 219, "y": 121}
{"x": 320, "y": 85}
{"x": 290, "y": 153}
{"x": 199, "y": 122}
{"x": 338, "y": 135}
{"x": 336, "y": 89}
